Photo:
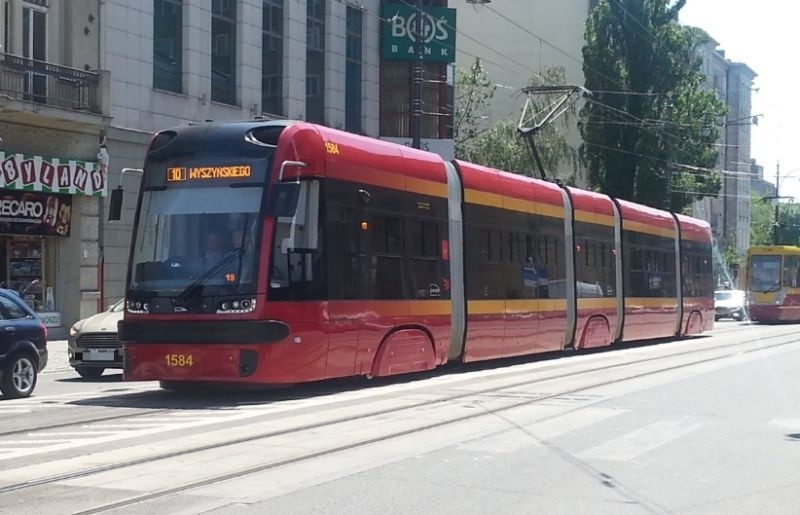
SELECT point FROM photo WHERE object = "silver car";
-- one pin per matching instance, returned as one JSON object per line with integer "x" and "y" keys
{"x": 93, "y": 342}
{"x": 729, "y": 303}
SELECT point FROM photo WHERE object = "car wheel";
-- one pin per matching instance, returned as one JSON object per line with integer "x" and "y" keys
{"x": 89, "y": 372}
{"x": 19, "y": 377}
{"x": 716, "y": 318}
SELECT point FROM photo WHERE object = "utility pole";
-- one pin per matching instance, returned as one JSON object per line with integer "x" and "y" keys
{"x": 775, "y": 223}
{"x": 416, "y": 81}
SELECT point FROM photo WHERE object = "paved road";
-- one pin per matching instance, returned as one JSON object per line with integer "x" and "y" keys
{"x": 707, "y": 425}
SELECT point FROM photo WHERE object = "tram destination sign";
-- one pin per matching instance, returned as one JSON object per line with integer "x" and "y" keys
{"x": 399, "y": 33}
{"x": 201, "y": 173}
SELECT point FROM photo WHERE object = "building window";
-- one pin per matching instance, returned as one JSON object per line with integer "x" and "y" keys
{"x": 168, "y": 45}
{"x": 396, "y": 100}
{"x": 6, "y": 15}
{"x": 34, "y": 46}
{"x": 272, "y": 57}
{"x": 223, "y": 51}
{"x": 315, "y": 61}
{"x": 353, "y": 71}
{"x": 34, "y": 32}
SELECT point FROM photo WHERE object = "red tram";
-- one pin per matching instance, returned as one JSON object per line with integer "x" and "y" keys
{"x": 283, "y": 252}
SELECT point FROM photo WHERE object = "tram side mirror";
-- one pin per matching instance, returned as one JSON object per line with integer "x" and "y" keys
{"x": 115, "y": 210}
{"x": 283, "y": 199}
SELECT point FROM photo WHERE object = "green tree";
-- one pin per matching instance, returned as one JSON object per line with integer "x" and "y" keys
{"x": 762, "y": 216}
{"x": 648, "y": 110}
{"x": 789, "y": 224}
{"x": 498, "y": 144}
{"x": 473, "y": 95}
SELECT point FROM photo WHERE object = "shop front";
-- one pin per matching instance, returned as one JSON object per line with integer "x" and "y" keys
{"x": 36, "y": 216}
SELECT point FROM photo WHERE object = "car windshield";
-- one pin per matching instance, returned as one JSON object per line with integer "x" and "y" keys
{"x": 117, "y": 306}
{"x": 733, "y": 295}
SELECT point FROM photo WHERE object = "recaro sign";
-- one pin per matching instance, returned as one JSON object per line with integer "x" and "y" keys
{"x": 438, "y": 33}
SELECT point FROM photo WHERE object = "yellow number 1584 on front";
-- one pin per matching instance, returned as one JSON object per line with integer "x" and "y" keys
{"x": 179, "y": 360}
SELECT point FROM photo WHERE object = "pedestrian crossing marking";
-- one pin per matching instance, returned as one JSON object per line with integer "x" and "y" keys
{"x": 537, "y": 433}
{"x": 640, "y": 441}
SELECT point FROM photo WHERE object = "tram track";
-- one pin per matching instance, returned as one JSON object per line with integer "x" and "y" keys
{"x": 728, "y": 350}
{"x": 427, "y": 427}
{"x": 315, "y": 390}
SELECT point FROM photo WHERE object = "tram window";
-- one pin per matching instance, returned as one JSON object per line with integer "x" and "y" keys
{"x": 485, "y": 238}
{"x": 790, "y": 271}
{"x": 387, "y": 235}
{"x": 388, "y": 277}
{"x": 636, "y": 259}
{"x": 514, "y": 247}
{"x": 495, "y": 248}
{"x": 423, "y": 238}
{"x": 424, "y": 278}
{"x": 528, "y": 247}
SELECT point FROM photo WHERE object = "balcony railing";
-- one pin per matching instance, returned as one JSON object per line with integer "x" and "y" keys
{"x": 48, "y": 83}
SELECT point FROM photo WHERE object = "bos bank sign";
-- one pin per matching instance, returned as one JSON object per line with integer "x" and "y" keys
{"x": 438, "y": 33}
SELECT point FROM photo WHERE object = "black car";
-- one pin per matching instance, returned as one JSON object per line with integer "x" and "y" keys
{"x": 23, "y": 346}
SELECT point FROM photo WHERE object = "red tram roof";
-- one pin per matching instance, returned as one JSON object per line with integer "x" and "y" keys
{"x": 694, "y": 229}
{"x": 342, "y": 155}
{"x": 645, "y": 219}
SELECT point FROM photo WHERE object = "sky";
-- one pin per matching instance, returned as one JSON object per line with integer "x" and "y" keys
{"x": 764, "y": 35}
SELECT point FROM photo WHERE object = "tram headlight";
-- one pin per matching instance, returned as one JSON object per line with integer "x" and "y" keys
{"x": 236, "y": 306}
{"x": 138, "y": 307}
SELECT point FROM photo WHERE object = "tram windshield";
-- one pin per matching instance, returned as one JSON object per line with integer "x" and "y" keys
{"x": 185, "y": 234}
{"x": 765, "y": 273}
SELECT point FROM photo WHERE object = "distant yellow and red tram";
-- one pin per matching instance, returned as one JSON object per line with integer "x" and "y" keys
{"x": 773, "y": 283}
{"x": 284, "y": 252}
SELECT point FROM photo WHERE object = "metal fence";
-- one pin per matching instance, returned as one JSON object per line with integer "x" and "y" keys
{"x": 50, "y": 84}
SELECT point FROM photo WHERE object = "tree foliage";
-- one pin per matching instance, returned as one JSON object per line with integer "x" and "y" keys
{"x": 761, "y": 219}
{"x": 497, "y": 143}
{"x": 762, "y": 222}
{"x": 648, "y": 115}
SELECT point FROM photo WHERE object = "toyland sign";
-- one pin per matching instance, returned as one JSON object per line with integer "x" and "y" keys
{"x": 51, "y": 175}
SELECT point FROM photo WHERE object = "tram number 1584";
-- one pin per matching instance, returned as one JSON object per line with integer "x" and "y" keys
{"x": 179, "y": 360}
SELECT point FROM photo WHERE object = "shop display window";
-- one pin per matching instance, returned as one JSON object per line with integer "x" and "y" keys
{"x": 25, "y": 270}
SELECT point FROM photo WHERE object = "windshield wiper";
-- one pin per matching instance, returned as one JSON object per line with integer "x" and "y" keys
{"x": 195, "y": 285}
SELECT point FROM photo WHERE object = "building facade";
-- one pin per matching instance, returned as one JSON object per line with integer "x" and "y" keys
{"x": 53, "y": 119}
{"x": 729, "y": 212}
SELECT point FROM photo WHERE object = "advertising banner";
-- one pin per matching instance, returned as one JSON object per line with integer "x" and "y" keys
{"x": 35, "y": 214}
{"x": 51, "y": 175}
{"x": 438, "y": 33}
